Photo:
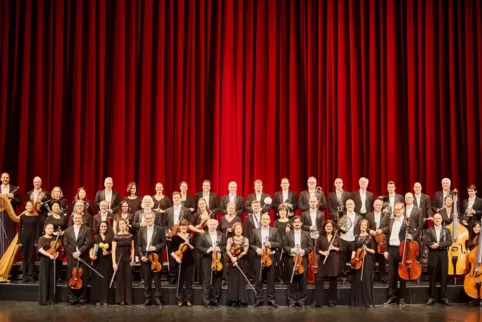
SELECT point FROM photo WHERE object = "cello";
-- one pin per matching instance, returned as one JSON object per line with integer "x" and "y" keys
{"x": 457, "y": 252}
{"x": 409, "y": 267}
{"x": 473, "y": 280}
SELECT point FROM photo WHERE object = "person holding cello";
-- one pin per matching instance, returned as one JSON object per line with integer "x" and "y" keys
{"x": 212, "y": 245}
{"x": 472, "y": 284}
{"x": 264, "y": 242}
{"x": 298, "y": 245}
{"x": 437, "y": 240}
{"x": 47, "y": 255}
{"x": 151, "y": 242}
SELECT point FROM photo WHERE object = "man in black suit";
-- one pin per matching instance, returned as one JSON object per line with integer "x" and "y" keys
{"x": 423, "y": 202}
{"x": 347, "y": 237}
{"x": 415, "y": 215}
{"x": 363, "y": 198}
{"x": 262, "y": 238}
{"x": 232, "y": 197}
{"x": 393, "y": 197}
{"x": 472, "y": 207}
{"x": 313, "y": 190}
{"x": 258, "y": 195}
{"x": 439, "y": 197}
{"x": 251, "y": 223}
{"x": 297, "y": 243}
{"x": 337, "y": 199}
{"x": 112, "y": 197}
{"x": 10, "y": 191}
{"x": 77, "y": 242}
{"x": 151, "y": 240}
{"x": 312, "y": 219}
{"x": 207, "y": 243}
{"x": 285, "y": 196}
{"x": 377, "y": 221}
{"x": 39, "y": 195}
{"x": 212, "y": 199}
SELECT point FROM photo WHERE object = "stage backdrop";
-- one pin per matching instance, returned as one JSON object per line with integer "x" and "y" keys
{"x": 166, "y": 91}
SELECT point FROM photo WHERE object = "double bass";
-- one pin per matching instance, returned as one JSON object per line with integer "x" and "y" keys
{"x": 409, "y": 267}
{"x": 457, "y": 251}
{"x": 473, "y": 280}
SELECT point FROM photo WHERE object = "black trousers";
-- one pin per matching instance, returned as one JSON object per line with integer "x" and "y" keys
{"x": 46, "y": 281}
{"x": 382, "y": 265}
{"x": 437, "y": 265}
{"x": 320, "y": 289}
{"x": 211, "y": 291}
{"x": 346, "y": 248}
{"x": 267, "y": 273}
{"x": 185, "y": 282}
{"x": 297, "y": 289}
{"x": 251, "y": 272}
{"x": 80, "y": 295}
{"x": 172, "y": 273}
{"x": 123, "y": 292}
{"x": 28, "y": 252}
{"x": 281, "y": 270}
{"x": 393, "y": 278}
{"x": 148, "y": 276}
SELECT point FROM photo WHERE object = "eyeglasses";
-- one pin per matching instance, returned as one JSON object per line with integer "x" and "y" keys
{"x": 398, "y": 209}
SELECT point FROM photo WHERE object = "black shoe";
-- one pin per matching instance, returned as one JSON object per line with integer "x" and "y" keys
{"x": 401, "y": 303}
{"x": 445, "y": 301}
{"x": 302, "y": 306}
{"x": 179, "y": 303}
{"x": 331, "y": 304}
{"x": 258, "y": 304}
{"x": 147, "y": 302}
{"x": 272, "y": 304}
{"x": 159, "y": 303}
{"x": 121, "y": 303}
{"x": 206, "y": 305}
{"x": 188, "y": 304}
{"x": 291, "y": 305}
{"x": 391, "y": 300}
{"x": 215, "y": 304}
{"x": 431, "y": 301}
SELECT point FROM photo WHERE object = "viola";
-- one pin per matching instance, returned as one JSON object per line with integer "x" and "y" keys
{"x": 75, "y": 281}
{"x": 359, "y": 258}
{"x": 473, "y": 280}
{"x": 409, "y": 267}
{"x": 155, "y": 265}
{"x": 381, "y": 240}
{"x": 217, "y": 263}
{"x": 182, "y": 248}
{"x": 266, "y": 260}
{"x": 298, "y": 262}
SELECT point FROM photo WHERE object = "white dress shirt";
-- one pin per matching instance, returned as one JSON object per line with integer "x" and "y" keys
{"x": 176, "y": 214}
{"x": 313, "y": 214}
{"x": 214, "y": 238}
{"x": 438, "y": 231}
{"x": 264, "y": 234}
{"x": 397, "y": 225}
{"x": 206, "y": 198}
{"x": 258, "y": 196}
{"x": 5, "y": 189}
{"x": 470, "y": 203}
{"x": 363, "y": 197}
{"x": 297, "y": 238}
{"x": 377, "y": 216}
{"x": 150, "y": 232}
{"x": 232, "y": 198}
{"x": 408, "y": 210}
{"x": 350, "y": 234}
{"x": 418, "y": 197}
{"x": 108, "y": 196}
{"x": 391, "y": 199}
{"x": 285, "y": 195}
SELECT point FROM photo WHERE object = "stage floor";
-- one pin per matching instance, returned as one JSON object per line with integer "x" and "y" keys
{"x": 28, "y": 311}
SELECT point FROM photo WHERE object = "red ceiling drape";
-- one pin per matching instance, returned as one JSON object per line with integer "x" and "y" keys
{"x": 167, "y": 91}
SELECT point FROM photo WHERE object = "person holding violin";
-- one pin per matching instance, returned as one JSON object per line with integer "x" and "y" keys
{"x": 437, "y": 239}
{"x": 362, "y": 260}
{"x": 283, "y": 224}
{"x": 47, "y": 256}
{"x": 237, "y": 249}
{"x": 102, "y": 256}
{"x": 226, "y": 223}
{"x": 212, "y": 245}
{"x": 298, "y": 245}
{"x": 347, "y": 237}
{"x": 82, "y": 195}
{"x": 77, "y": 242}
{"x": 151, "y": 242}
{"x": 203, "y": 214}
{"x": 183, "y": 255}
{"x": 328, "y": 246}
{"x": 264, "y": 242}
{"x": 122, "y": 261}
{"x": 377, "y": 220}
{"x": 29, "y": 232}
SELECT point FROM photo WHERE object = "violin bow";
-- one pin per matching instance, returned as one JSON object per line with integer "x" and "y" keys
{"x": 331, "y": 244}
{"x": 113, "y": 275}
{"x": 88, "y": 266}
{"x": 55, "y": 264}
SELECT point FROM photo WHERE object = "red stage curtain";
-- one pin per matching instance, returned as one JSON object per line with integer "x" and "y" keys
{"x": 173, "y": 90}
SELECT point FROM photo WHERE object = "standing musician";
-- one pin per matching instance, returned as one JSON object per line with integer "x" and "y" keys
{"x": 232, "y": 197}
{"x": 251, "y": 223}
{"x": 112, "y": 197}
{"x": 151, "y": 242}
{"x": 472, "y": 243}
{"x": 187, "y": 200}
{"x": 328, "y": 246}
{"x": 47, "y": 261}
{"x": 377, "y": 220}
{"x": 438, "y": 239}
{"x": 103, "y": 216}
{"x": 313, "y": 190}
{"x": 286, "y": 196}
{"x": 202, "y": 215}
{"x": 363, "y": 198}
{"x": 39, "y": 197}
{"x": 449, "y": 211}
{"x": 257, "y": 195}
{"x": 29, "y": 232}
{"x": 102, "y": 256}
{"x": 415, "y": 215}
{"x": 392, "y": 196}
{"x": 212, "y": 245}
{"x": 472, "y": 207}
{"x": 123, "y": 245}
{"x": 337, "y": 199}
{"x": 56, "y": 195}
{"x": 212, "y": 199}
{"x": 182, "y": 252}
{"x": 422, "y": 201}
{"x": 161, "y": 202}
{"x": 439, "y": 197}
{"x": 132, "y": 198}
{"x": 10, "y": 191}
{"x": 82, "y": 195}
{"x": 298, "y": 244}
{"x": 312, "y": 219}
{"x": 237, "y": 249}
{"x": 283, "y": 224}
{"x": 347, "y": 236}
{"x": 79, "y": 208}
{"x": 77, "y": 242}
{"x": 123, "y": 214}
{"x": 264, "y": 242}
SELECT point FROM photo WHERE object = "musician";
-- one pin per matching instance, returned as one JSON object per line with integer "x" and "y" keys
{"x": 103, "y": 216}
{"x": 347, "y": 236}
{"x": 450, "y": 211}
{"x": 228, "y": 220}
{"x": 362, "y": 279}
{"x": 38, "y": 195}
{"x": 474, "y": 236}
{"x": 439, "y": 197}
{"x": 286, "y": 196}
{"x": 29, "y": 232}
{"x": 102, "y": 263}
{"x": 422, "y": 201}
{"x": 396, "y": 233}
{"x": 123, "y": 245}
{"x": 415, "y": 215}
{"x": 438, "y": 239}
{"x": 10, "y": 191}
{"x": 251, "y": 223}
{"x": 184, "y": 263}
{"x": 132, "y": 198}
{"x": 187, "y": 201}
{"x": 56, "y": 195}
{"x": 82, "y": 195}
{"x": 209, "y": 242}
{"x": 305, "y": 195}
{"x": 262, "y": 238}
{"x": 232, "y": 197}
{"x": 79, "y": 208}
{"x": 139, "y": 217}
{"x": 378, "y": 220}
{"x": 297, "y": 244}
{"x": 47, "y": 261}
{"x": 203, "y": 214}
{"x": 77, "y": 242}
{"x": 151, "y": 240}
{"x": 328, "y": 244}
{"x": 123, "y": 214}
{"x": 337, "y": 198}
{"x": 161, "y": 202}
{"x": 392, "y": 195}
{"x": 312, "y": 219}
{"x": 283, "y": 224}
{"x": 258, "y": 195}
{"x": 212, "y": 199}
{"x": 237, "y": 250}
{"x": 112, "y": 197}
{"x": 363, "y": 198}
{"x": 56, "y": 219}
{"x": 472, "y": 207}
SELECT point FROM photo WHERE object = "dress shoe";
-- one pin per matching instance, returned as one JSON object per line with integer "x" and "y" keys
{"x": 258, "y": 304}
{"x": 291, "y": 305}
{"x": 331, "y": 304}
{"x": 188, "y": 304}
{"x": 147, "y": 302}
{"x": 272, "y": 304}
{"x": 445, "y": 301}
{"x": 215, "y": 304}
{"x": 159, "y": 303}
{"x": 206, "y": 306}
{"x": 302, "y": 305}
{"x": 97, "y": 304}
{"x": 179, "y": 303}
{"x": 431, "y": 301}
{"x": 391, "y": 300}
{"x": 121, "y": 303}
{"x": 401, "y": 303}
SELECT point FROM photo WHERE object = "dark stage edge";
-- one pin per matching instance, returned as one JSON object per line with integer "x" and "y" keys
{"x": 28, "y": 292}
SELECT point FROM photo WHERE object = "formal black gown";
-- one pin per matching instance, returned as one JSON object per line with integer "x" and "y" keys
{"x": 162, "y": 204}
{"x": 362, "y": 289}
{"x": 58, "y": 223}
{"x": 329, "y": 271}
{"x": 237, "y": 293}
{"x": 135, "y": 204}
{"x": 123, "y": 292}
{"x": 46, "y": 273}
{"x": 282, "y": 274}
{"x": 29, "y": 233}
{"x": 103, "y": 264}
{"x": 187, "y": 270}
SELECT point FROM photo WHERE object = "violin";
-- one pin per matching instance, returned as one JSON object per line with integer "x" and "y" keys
{"x": 298, "y": 262}
{"x": 155, "y": 265}
{"x": 202, "y": 224}
{"x": 473, "y": 280}
{"x": 54, "y": 247}
{"x": 217, "y": 263}
{"x": 266, "y": 256}
{"x": 235, "y": 250}
{"x": 381, "y": 240}
{"x": 409, "y": 267}
{"x": 75, "y": 281}
{"x": 173, "y": 232}
{"x": 359, "y": 258}
{"x": 457, "y": 251}
{"x": 182, "y": 248}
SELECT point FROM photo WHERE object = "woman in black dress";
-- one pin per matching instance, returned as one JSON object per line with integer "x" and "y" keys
{"x": 47, "y": 261}
{"x": 228, "y": 220}
{"x": 82, "y": 195}
{"x": 132, "y": 199}
{"x": 362, "y": 279}
{"x": 79, "y": 208}
{"x": 123, "y": 244}
{"x": 237, "y": 248}
{"x": 57, "y": 219}
{"x": 161, "y": 202}
{"x": 471, "y": 244}
{"x": 186, "y": 200}
{"x": 124, "y": 214}
{"x": 29, "y": 232}
{"x": 103, "y": 264}
{"x": 185, "y": 261}
{"x": 328, "y": 245}
{"x": 57, "y": 195}
{"x": 283, "y": 224}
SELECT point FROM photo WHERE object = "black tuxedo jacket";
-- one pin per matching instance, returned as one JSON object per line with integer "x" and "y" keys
{"x": 385, "y": 219}
{"x": 16, "y": 196}
{"x": 403, "y": 230}
{"x": 477, "y": 206}
{"x": 204, "y": 242}
{"x": 158, "y": 240}
{"x": 114, "y": 203}
{"x": 425, "y": 205}
{"x": 332, "y": 202}
{"x": 278, "y": 199}
{"x": 239, "y": 204}
{"x": 307, "y": 223}
{"x": 416, "y": 221}
{"x": 274, "y": 238}
{"x": 213, "y": 201}
{"x": 97, "y": 220}
{"x": 431, "y": 238}
{"x": 83, "y": 242}
{"x": 370, "y": 198}
{"x": 249, "y": 225}
{"x": 304, "y": 203}
{"x": 448, "y": 218}
{"x": 169, "y": 217}
{"x": 306, "y": 242}
{"x": 438, "y": 201}
{"x": 137, "y": 219}
{"x": 251, "y": 198}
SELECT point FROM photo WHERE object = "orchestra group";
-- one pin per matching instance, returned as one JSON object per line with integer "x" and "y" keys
{"x": 289, "y": 238}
